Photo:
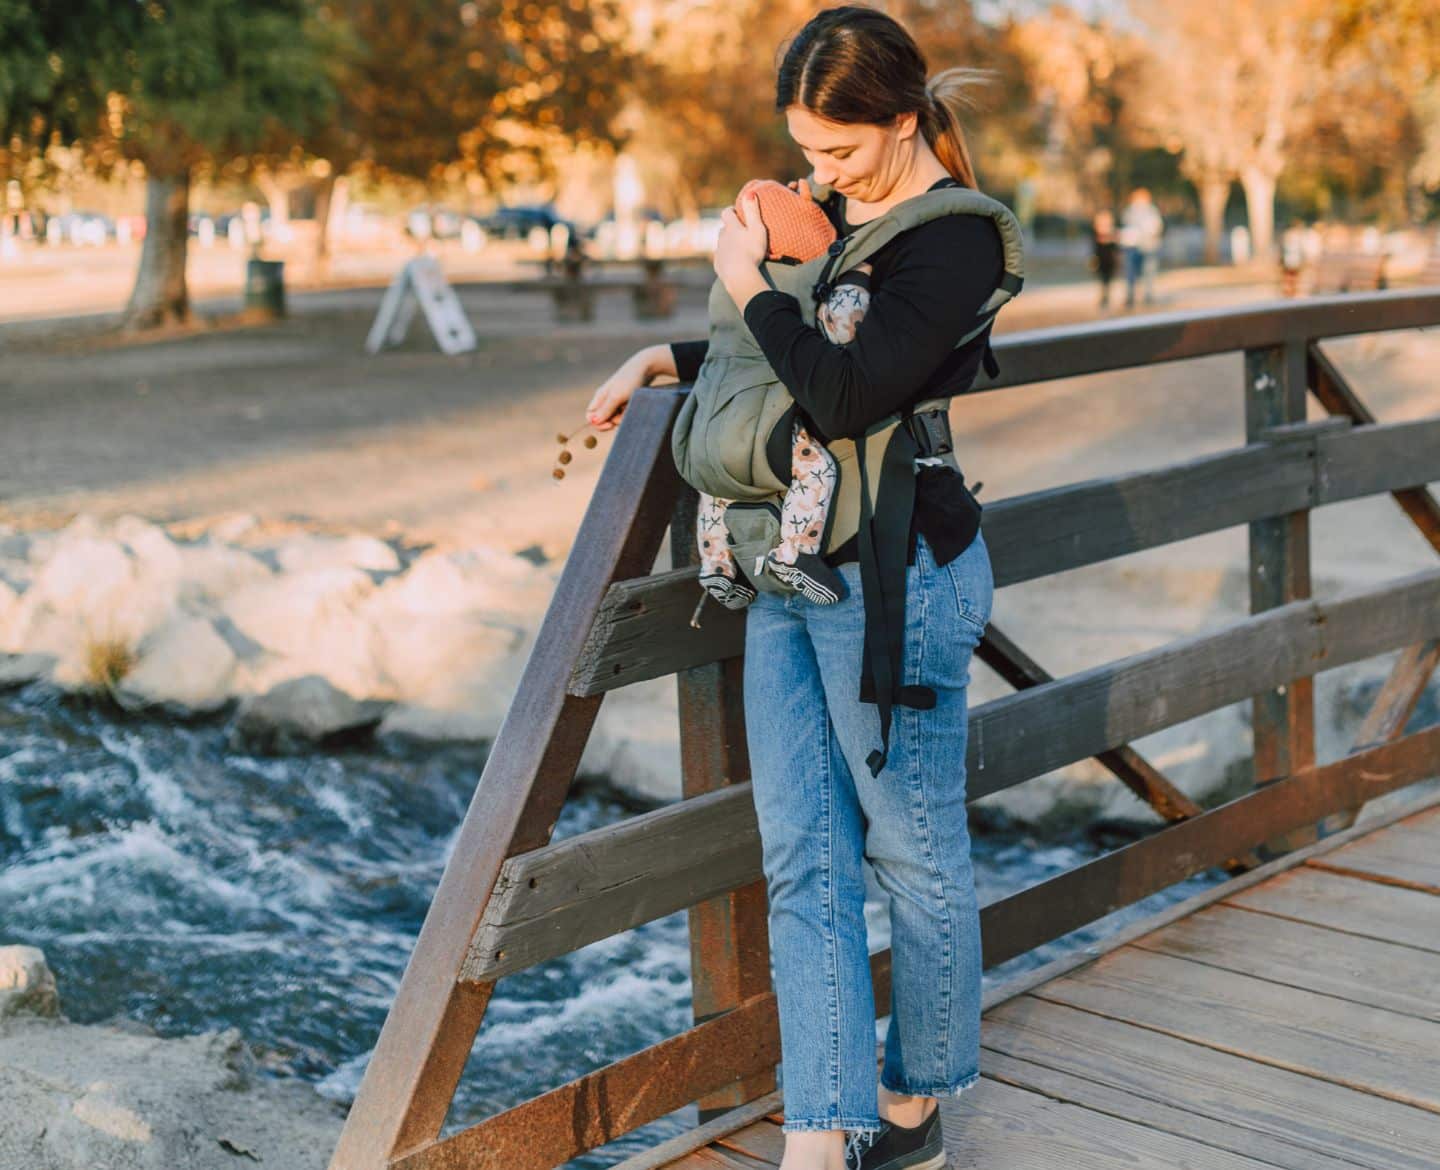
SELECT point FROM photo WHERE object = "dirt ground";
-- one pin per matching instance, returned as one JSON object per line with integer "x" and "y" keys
{"x": 294, "y": 421}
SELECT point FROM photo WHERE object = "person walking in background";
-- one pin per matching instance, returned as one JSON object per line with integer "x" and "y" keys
{"x": 1141, "y": 228}
{"x": 1105, "y": 257}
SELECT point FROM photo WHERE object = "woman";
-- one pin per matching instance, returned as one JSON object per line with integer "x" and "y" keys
{"x": 852, "y": 86}
{"x": 1105, "y": 252}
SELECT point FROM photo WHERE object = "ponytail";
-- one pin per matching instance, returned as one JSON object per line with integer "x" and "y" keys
{"x": 949, "y": 94}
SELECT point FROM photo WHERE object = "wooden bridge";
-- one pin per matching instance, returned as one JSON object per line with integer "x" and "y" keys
{"x": 1285, "y": 1018}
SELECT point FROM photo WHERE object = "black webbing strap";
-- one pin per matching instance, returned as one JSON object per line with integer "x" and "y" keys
{"x": 884, "y": 534}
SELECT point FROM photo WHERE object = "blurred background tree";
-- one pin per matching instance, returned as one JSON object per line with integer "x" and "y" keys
{"x": 1314, "y": 107}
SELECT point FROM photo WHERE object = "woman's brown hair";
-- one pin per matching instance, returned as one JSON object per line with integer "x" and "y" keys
{"x": 857, "y": 64}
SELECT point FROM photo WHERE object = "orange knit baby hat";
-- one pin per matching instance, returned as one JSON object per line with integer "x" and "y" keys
{"x": 797, "y": 228}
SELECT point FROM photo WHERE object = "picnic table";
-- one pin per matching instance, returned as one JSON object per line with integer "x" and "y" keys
{"x": 573, "y": 282}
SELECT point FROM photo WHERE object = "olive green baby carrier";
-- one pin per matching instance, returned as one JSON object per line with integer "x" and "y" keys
{"x": 732, "y": 437}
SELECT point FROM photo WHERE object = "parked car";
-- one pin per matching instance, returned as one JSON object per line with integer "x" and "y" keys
{"x": 516, "y": 223}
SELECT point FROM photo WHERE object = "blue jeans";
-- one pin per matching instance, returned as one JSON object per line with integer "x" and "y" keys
{"x": 819, "y": 811}
{"x": 1140, "y": 266}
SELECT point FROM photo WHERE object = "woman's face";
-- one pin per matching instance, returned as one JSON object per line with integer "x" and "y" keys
{"x": 859, "y": 159}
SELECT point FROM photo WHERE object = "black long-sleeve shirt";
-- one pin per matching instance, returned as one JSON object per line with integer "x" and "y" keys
{"x": 927, "y": 284}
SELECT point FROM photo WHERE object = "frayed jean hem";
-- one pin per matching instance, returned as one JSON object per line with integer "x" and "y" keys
{"x": 934, "y": 1090}
{"x": 816, "y": 1124}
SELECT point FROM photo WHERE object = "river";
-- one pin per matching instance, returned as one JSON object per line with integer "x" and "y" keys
{"x": 175, "y": 881}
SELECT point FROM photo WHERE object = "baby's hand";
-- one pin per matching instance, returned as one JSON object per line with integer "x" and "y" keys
{"x": 801, "y": 186}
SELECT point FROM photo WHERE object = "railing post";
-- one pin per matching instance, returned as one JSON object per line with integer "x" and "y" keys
{"x": 729, "y": 935}
{"x": 1283, "y": 718}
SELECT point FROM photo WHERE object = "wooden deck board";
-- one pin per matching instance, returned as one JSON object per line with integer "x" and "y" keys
{"x": 1289, "y": 1021}
{"x": 1407, "y": 856}
{"x": 1349, "y": 903}
{"x": 1284, "y": 1117}
{"x": 1367, "y": 1048}
{"x": 1298, "y": 954}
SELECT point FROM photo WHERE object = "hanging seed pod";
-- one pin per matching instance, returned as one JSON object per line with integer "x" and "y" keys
{"x": 562, "y": 438}
{"x": 591, "y": 440}
{"x": 564, "y": 457}
{"x": 558, "y": 473}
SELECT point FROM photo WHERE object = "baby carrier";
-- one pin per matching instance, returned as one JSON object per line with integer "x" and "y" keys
{"x": 732, "y": 437}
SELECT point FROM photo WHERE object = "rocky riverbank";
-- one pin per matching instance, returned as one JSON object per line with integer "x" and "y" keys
{"x": 118, "y": 1096}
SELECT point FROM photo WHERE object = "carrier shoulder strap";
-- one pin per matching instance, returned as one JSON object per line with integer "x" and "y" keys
{"x": 887, "y": 491}
{"x": 951, "y": 199}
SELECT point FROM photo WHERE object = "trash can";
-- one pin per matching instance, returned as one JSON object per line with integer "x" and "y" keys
{"x": 265, "y": 287}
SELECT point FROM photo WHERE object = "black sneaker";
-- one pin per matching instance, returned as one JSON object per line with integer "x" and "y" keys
{"x": 897, "y": 1148}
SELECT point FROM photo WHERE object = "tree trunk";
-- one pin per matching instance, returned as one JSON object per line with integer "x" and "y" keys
{"x": 1214, "y": 195}
{"x": 1260, "y": 208}
{"x": 277, "y": 195}
{"x": 324, "y": 198}
{"x": 160, "y": 296}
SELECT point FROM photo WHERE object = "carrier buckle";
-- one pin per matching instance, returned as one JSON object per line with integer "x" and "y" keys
{"x": 931, "y": 431}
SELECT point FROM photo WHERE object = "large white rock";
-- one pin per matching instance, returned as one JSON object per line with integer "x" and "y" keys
{"x": 312, "y": 624}
{"x": 19, "y": 669}
{"x": 27, "y": 985}
{"x": 92, "y": 590}
{"x": 9, "y": 605}
{"x": 185, "y": 664}
{"x": 305, "y": 551}
{"x": 300, "y": 713}
{"x": 210, "y": 572}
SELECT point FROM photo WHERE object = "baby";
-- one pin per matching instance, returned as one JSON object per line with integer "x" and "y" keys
{"x": 797, "y": 230}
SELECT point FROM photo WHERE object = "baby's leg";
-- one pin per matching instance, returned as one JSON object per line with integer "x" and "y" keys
{"x": 796, "y": 560}
{"x": 719, "y": 574}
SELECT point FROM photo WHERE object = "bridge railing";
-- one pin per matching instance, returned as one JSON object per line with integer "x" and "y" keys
{"x": 510, "y": 898}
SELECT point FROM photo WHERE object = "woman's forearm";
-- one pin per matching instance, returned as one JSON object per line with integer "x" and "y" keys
{"x": 659, "y": 360}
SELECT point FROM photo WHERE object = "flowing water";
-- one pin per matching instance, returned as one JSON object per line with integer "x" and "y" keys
{"x": 175, "y": 881}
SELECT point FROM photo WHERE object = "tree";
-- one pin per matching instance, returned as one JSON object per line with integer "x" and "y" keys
{"x": 173, "y": 84}
{"x": 436, "y": 88}
{"x": 207, "y": 79}
{"x": 1233, "y": 83}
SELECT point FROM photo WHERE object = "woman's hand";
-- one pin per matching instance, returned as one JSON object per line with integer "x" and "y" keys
{"x": 742, "y": 246}
{"x": 803, "y": 187}
{"x": 608, "y": 402}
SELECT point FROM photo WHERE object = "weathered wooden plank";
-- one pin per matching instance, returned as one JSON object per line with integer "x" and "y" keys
{"x": 1041, "y": 355}
{"x": 1025, "y": 734}
{"x": 643, "y": 628}
{"x": 1408, "y": 857}
{"x": 999, "y": 1125}
{"x": 763, "y": 1140}
{"x": 1364, "y": 908}
{"x": 555, "y": 900}
{"x": 1346, "y": 1043}
{"x": 1391, "y": 710}
{"x": 999, "y": 652}
{"x": 1069, "y": 900}
{"x": 1383, "y": 457}
{"x": 1281, "y": 1117}
{"x": 595, "y": 884}
{"x": 717, "y": 1157}
{"x": 1299, "y": 954}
